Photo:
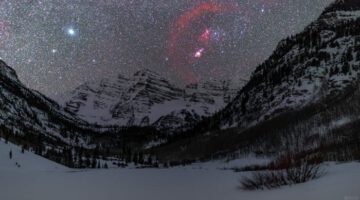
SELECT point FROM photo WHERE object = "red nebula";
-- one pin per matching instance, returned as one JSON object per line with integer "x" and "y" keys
{"x": 190, "y": 36}
{"x": 205, "y": 37}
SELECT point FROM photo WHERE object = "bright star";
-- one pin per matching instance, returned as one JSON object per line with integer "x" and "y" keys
{"x": 71, "y": 31}
{"x": 262, "y": 10}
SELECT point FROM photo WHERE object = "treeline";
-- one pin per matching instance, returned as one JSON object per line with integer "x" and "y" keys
{"x": 120, "y": 149}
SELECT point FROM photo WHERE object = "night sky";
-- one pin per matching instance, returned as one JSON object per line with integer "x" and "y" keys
{"x": 56, "y": 45}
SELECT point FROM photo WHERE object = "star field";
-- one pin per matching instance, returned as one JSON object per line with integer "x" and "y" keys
{"x": 56, "y": 45}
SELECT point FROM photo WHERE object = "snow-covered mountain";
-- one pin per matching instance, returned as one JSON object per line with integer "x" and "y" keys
{"x": 304, "y": 97}
{"x": 319, "y": 64}
{"x": 26, "y": 114}
{"x": 147, "y": 99}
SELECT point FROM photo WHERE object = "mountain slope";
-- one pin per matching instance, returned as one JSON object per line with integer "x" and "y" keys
{"x": 147, "y": 99}
{"x": 305, "y": 97}
{"x": 318, "y": 63}
{"x": 23, "y": 161}
{"x": 36, "y": 122}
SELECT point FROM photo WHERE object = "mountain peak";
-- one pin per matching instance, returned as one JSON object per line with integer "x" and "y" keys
{"x": 146, "y": 73}
{"x": 7, "y": 71}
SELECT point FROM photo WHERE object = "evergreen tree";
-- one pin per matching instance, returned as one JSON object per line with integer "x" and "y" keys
{"x": 80, "y": 159}
{"x": 349, "y": 54}
{"x": 87, "y": 161}
{"x": 149, "y": 161}
{"x": 141, "y": 158}
{"x": 6, "y": 138}
{"x": 128, "y": 155}
{"x": 23, "y": 148}
{"x": 135, "y": 158}
{"x": 93, "y": 162}
{"x": 106, "y": 166}
{"x": 70, "y": 160}
{"x": 166, "y": 165}
{"x": 299, "y": 83}
{"x": 345, "y": 68}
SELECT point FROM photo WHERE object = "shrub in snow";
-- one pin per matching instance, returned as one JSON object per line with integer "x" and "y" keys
{"x": 287, "y": 170}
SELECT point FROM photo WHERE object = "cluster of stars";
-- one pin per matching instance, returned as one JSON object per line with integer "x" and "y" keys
{"x": 57, "y": 45}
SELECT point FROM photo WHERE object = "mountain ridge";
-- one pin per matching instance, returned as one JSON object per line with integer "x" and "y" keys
{"x": 309, "y": 59}
{"x": 147, "y": 99}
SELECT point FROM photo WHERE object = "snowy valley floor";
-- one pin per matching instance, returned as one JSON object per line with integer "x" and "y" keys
{"x": 39, "y": 179}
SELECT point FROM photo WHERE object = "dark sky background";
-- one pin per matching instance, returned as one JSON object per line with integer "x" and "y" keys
{"x": 57, "y": 45}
